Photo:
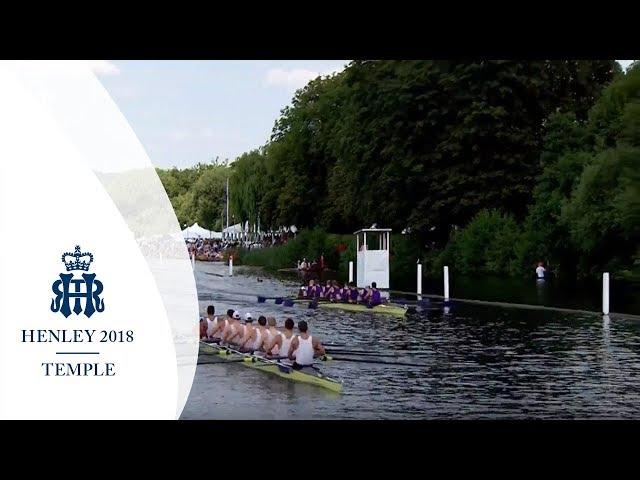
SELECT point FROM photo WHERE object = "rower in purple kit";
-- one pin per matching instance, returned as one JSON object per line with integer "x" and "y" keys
{"x": 353, "y": 293}
{"x": 314, "y": 290}
{"x": 326, "y": 290}
{"x": 375, "y": 298}
{"x": 331, "y": 291}
{"x": 343, "y": 294}
{"x": 337, "y": 292}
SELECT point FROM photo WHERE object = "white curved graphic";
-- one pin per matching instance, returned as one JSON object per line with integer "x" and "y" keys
{"x": 72, "y": 172}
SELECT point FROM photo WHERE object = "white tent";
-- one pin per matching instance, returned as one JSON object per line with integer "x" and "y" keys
{"x": 234, "y": 231}
{"x": 196, "y": 231}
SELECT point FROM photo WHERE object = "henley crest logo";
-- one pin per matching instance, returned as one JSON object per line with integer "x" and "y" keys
{"x": 70, "y": 287}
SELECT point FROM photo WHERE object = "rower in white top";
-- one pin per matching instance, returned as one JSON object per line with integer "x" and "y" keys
{"x": 270, "y": 333}
{"x": 234, "y": 331}
{"x": 243, "y": 338}
{"x": 208, "y": 324}
{"x": 279, "y": 345}
{"x": 256, "y": 335}
{"x": 215, "y": 329}
{"x": 304, "y": 348}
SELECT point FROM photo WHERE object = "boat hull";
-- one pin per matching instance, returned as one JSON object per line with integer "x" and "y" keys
{"x": 393, "y": 310}
{"x": 273, "y": 367}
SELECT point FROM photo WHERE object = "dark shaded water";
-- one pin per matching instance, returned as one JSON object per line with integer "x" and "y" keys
{"x": 479, "y": 362}
{"x": 584, "y": 295}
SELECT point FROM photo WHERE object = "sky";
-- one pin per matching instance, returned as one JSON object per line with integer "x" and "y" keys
{"x": 186, "y": 112}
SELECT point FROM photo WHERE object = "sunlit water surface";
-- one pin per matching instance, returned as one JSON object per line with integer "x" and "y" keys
{"x": 479, "y": 362}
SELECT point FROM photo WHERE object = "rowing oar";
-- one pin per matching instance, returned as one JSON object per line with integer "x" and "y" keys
{"x": 361, "y": 353}
{"x": 222, "y": 361}
{"x": 379, "y": 362}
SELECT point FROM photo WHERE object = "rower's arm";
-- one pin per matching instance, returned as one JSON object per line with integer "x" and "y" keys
{"x": 261, "y": 343}
{"x": 318, "y": 347}
{"x": 230, "y": 334}
{"x": 276, "y": 341}
{"x": 292, "y": 348}
{"x": 245, "y": 340}
{"x": 216, "y": 329}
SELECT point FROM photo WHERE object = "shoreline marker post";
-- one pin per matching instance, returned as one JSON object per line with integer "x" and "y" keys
{"x": 446, "y": 284}
{"x": 605, "y": 293}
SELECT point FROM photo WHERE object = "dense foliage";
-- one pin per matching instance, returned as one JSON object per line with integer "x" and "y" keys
{"x": 492, "y": 165}
{"x": 585, "y": 215}
{"x": 197, "y": 194}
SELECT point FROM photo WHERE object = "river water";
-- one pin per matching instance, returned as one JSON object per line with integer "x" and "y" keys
{"x": 477, "y": 362}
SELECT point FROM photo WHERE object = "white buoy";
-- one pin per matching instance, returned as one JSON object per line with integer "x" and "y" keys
{"x": 605, "y": 293}
{"x": 350, "y": 272}
{"x": 419, "y": 282}
{"x": 446, "y": 284}
{"x": 230, "y": 265}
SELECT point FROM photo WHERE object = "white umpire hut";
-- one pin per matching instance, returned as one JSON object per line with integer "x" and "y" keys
{"x": 373, "y": 256}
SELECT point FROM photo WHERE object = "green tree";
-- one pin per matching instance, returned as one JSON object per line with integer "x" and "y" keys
{"x": 248, "y": 184}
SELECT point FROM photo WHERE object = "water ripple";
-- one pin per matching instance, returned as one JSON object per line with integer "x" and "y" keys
{"x": 480, "y": 363}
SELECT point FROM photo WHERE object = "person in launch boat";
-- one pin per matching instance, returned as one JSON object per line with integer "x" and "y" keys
{"x": 304, "y": 348}
{"x": 541, "y": 272}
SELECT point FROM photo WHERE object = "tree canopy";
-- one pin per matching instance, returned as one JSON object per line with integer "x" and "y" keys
{"x": 544, "y": 151}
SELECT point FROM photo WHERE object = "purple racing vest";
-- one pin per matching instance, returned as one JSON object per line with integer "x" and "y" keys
{"x": 375, "y": 297}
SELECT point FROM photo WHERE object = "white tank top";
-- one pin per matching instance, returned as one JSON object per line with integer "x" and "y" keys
{"x": 286, "y": 343}
{"x": 211, "y": 324}
{"x": 267, "y": 336}
{"x": 256, "y": 342}
{"x": 220, "y": 332}
{"x": 240, "y": 329}
{"x": 304, "y": 353}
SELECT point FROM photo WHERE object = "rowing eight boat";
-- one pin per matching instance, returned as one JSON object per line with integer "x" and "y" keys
{"x": 396, "y": 311}
{"x": 385, "y": 308}
{"x": 307, "y": 375}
